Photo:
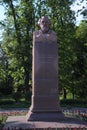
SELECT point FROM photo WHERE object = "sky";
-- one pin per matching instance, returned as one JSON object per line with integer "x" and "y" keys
{"x": 75, "y": 7}
{"x": 2, "y": 16}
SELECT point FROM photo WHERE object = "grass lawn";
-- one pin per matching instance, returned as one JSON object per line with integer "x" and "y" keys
{"x": 9, "y": 102}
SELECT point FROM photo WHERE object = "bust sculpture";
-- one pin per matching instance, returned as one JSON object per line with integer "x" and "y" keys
{"x": 45, "y": 33}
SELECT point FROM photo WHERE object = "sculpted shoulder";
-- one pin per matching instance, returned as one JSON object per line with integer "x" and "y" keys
{"x": 36, "y": 32}
{"x": 52, "y": 32}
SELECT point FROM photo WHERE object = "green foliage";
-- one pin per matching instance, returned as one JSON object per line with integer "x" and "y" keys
{"x": 80, "y": 64}
{"x": 72, "y": 103}
{"x": 9, "y": 102}
{"x": 63, "y": 19}
{"x": 17, "y": 41}
{"x": 81, "y": 31}
{"x": 16, "y": 47}
{"x": 16, "y": 96}
{"x": 28, "y": 96}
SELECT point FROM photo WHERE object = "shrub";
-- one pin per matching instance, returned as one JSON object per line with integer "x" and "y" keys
{"x": 28, "y": 96}
{"x": 16, "y": 96}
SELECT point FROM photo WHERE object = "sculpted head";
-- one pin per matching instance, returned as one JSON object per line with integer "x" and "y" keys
{"x": 44, "y": 24}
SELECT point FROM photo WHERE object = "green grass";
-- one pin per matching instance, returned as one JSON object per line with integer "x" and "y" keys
{"x": 69, "y": 103}
{"x": 9, "y": 102}
{"x": 69, "y": 96}
{"x": 15, "y": 105}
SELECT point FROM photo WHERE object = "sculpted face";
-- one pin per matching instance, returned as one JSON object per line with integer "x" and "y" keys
{"x": 44, "y": 24}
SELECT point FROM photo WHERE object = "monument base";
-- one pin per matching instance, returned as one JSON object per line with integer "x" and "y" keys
{"x": 45, "y": 116}
{"x": 19, "y": 122}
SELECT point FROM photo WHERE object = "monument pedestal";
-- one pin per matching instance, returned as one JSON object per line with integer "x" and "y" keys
{"x": 45, "y": 100}
{"x": 45, "y": 116}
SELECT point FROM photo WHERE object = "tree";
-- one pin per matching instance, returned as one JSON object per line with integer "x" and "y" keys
{"x": 63, "y": 22}
{"x": 81, "y": 60}
{"x": 21, "y": 20}
{"x": 18, "y": 32}
{"x": 6, "y": 82}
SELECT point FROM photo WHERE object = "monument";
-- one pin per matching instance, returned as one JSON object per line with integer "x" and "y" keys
{"x": 45, "y": 98}
{"x": 45, "y": 111}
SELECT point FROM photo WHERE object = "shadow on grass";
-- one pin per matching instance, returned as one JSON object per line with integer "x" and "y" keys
{"x": 6, "y": 101}
{"x": 13, "y": 104}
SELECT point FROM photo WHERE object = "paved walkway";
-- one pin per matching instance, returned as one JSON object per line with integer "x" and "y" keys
{"x": 21, "y": 122}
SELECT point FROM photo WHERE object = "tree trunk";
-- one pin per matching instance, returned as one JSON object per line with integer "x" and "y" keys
{"x": 15, "y": 23}
{"x": 26, "y": 81}
{"x": 64, "y": 93}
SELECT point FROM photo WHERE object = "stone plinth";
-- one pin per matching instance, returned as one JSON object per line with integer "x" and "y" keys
{"x": 45, "y": 100}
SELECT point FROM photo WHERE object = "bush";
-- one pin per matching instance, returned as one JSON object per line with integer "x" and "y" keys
{"x": 28, "y": 96}
{"x": 6, "y": 102}
{"x": 16, "y": 96}
{"x": 1, "y": 94}
{"x": 72, "y": 103}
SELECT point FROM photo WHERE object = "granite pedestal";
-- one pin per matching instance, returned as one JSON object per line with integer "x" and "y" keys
{"x": 45, "y": 95}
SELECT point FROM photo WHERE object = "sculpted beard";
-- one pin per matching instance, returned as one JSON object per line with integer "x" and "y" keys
{"x": 45, "y": 28}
